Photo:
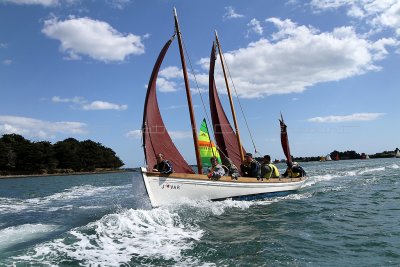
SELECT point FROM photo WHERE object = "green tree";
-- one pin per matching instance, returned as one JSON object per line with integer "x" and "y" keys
{"x": 67, "y": 154}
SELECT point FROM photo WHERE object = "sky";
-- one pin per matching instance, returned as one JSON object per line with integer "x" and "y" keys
{"x": 80, "y": 68}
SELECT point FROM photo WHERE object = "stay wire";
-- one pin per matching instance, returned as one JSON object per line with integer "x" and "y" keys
{"x": 199, "y": 91}
{"x": 240, "y": 105}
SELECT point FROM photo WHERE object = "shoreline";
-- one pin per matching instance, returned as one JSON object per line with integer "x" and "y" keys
{"x": 13, "y": 176}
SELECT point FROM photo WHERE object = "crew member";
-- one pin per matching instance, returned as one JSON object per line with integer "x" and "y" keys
{"x": 250, "y": 167}
{"x": 294, "y": 170}
{"x": 163, "y": 166}
{"x": 268, "y": 170}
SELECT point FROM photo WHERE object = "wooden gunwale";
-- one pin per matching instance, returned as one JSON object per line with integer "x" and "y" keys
{"x": 224, "y": 178}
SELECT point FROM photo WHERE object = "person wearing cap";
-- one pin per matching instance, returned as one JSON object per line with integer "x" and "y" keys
{"x": 269, "y": 170}
{"x": 216, "y": 170}
{"x": 294, "y": 170}
{"x": 250, "y": 167}
{"x": 230, "y": 168}
{"x": 163, "y": 166}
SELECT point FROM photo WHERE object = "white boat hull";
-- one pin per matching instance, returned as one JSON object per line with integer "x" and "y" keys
{"x": 165, "y": 190}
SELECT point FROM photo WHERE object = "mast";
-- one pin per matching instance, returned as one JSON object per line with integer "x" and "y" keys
{"x": 230, "y": 99}
{"x": 188, "y": 95}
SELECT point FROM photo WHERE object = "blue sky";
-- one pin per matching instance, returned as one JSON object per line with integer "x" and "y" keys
{"x": 74, "y": 68}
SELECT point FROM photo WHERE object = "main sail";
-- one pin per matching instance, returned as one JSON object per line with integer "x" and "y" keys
{"x": 155, "y": 136}
{"x": 207, "y": 147}
{"x": 225, "y": 137}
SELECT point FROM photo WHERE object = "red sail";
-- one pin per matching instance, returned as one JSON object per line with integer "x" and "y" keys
{"x": 225, "y": 137}
{"x": 285, "y": 140}
{"x": 155, "y": 136}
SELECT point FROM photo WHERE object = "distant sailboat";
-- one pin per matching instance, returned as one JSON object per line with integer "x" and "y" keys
{"x": 336, "y": 156}
{"x": 364, "y": 156}
{"x": 397, "y": 153}
{"x": 328, "y": 157}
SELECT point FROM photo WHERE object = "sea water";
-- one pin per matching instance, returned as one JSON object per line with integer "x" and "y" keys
{"x": 347, "y": 214}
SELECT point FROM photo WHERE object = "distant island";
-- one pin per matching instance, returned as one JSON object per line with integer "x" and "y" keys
{"x": 19, "y": 156}
{"x": 346, "y": 155}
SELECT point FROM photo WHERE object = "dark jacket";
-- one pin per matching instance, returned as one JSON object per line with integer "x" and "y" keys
{"x": 251, "y": 170}
{"x": 164, "y": 167}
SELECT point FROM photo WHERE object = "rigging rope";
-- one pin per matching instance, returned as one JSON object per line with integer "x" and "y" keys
{"x": 201, "y": 96}
{"x": 240, "y": 105}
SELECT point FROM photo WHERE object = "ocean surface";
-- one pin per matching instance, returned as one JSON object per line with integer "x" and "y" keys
{"x": 347, "y": 214}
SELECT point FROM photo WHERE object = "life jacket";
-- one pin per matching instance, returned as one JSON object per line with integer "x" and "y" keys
{"x": 275, "y": 171}
{"x": 293, "y": 174}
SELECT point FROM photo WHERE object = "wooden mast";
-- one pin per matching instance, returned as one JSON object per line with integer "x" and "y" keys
{"x": 230, "y": 99}
{"x": 188, "y": 95}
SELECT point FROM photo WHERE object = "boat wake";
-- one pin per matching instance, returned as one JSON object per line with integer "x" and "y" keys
{"x": 120, "y": 238}
{"x": 16, "y": 235}
{"x": 57, "y": 201}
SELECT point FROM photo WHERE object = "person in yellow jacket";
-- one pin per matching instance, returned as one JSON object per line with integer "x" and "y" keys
{"x": 294, "y": 170}
{"x": 268, "y": 170}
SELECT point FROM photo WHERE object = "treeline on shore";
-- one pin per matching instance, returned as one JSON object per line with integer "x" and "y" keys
{"x": 350, "y": 154}
{"x": 19, "y": 156}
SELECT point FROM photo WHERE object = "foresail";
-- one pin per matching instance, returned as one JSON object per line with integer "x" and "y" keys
{"x": 155, "y": 136}
{"x": 285, "y": 140}
{"x": 207, "y": 147}
{"x": 225, "y": 137}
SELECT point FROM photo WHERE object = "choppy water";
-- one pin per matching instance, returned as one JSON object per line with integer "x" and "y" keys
{"x": 347, "y": 214}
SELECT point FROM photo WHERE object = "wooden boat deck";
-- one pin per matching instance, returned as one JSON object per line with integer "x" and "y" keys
{"x": 225, "y": 178}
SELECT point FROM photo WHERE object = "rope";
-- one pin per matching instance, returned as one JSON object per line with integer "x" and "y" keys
{"x": 202, "y": 101}
{"x": 240, "y": 105}
{"x": 198, "y": 89}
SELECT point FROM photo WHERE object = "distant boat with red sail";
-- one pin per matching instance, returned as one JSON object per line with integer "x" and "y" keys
{"x": 184, "y": 183}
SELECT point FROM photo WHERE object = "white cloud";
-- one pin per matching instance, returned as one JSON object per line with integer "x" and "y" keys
{"x": 177, "y": 106}
{"x": 45, "y": 3}
{"x": 76, "y": 99}
{"x": 119, "y": 4}
{"x": 180, "y": 134}
{"x": 102, "y": 105}
{"x": 299, "y": 57}
{"x": 81, "y": 103}
{"x": 37, "y": 128}
{"x": 231, "y": 14}
{"x": 380, "y": 14}
{"x": 3, "y": 45}
{"x": 93, "y": 38}
{"x": 255, "y": 26}
{"x": 136, "y": 134}
{"x": 7, "y": 62}
{"x": 347, "y": 118}
{"x": 170, "y": 72}
{"x": 166, "y": 86}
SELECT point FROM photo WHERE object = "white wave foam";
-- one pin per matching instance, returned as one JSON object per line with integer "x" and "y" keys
{"x": 11, "y": 205}
{"x": 116, "y": 238}
{"x": 372, "y": 170}
{"x": 350, "y": 173}
{"x": 296, "y": 196}
{"x": 22, "y": 233}
{"x": 319, "y": 178}
{"x": 211, "y": 207}
{"x": 394, "y": 166}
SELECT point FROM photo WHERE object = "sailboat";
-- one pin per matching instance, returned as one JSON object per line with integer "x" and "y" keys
{"x": 206, "y": 146}
{"x": 397, "y": 153}
{"x": 328, "y": 157}
{"x": 183, "y": 184}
